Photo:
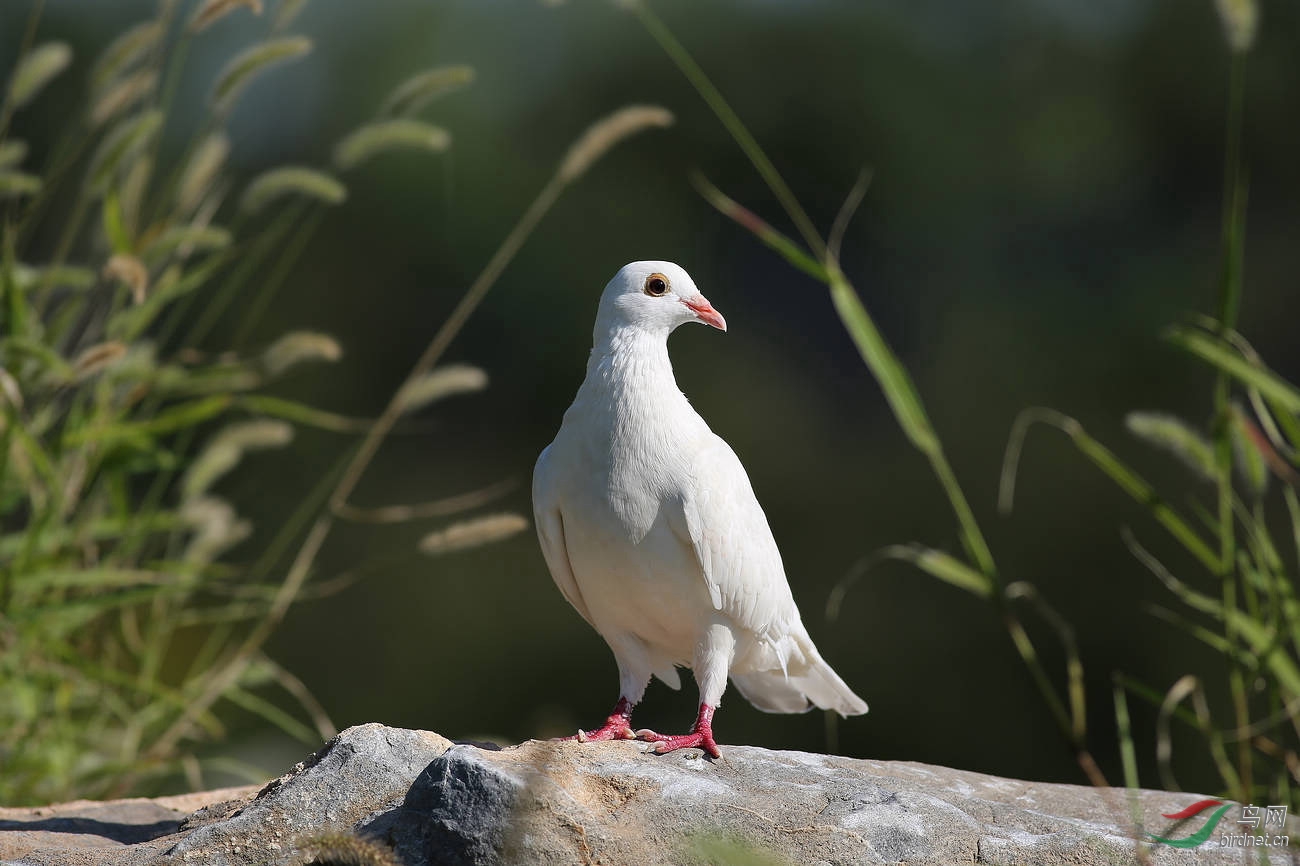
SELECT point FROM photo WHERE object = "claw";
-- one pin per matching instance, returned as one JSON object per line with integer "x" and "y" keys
{"x": 700, "y": 737}
{"x": 698, "y": 740}
{"x": 616, "y": 727}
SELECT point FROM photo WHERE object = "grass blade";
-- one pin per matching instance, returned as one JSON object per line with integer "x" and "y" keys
{"x": 884, "y": 364}
{"x": 1124, "y": 477}
{"x": 748, "y": 220}
{"x": 733, "y": 124}
{"x": 1223, "y": 357}
{"x": 936, "y": 563}
{"x": 302, "y": 414}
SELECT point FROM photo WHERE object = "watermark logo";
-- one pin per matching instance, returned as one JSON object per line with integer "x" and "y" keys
{"x": 1256, "y": 817}
{"x": 1202, "y": 835}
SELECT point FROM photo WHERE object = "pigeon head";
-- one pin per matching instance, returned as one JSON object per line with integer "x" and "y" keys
{"x": 654, "y": 296}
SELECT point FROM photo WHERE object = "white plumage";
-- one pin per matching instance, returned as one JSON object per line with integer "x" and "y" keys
{"x": 651, "y": 529}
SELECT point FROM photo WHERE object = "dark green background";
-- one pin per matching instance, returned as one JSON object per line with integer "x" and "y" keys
{"x": 1046, "y": 197}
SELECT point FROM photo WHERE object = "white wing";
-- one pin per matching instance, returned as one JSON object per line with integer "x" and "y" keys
{"x": 550, "y": 532}
{"x": 746, "y": 580}
{"x": 737, "y": 553}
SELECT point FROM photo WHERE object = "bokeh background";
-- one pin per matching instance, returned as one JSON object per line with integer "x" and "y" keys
{"x": 1046, "y": 197}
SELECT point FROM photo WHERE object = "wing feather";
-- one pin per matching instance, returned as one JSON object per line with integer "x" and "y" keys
{"x": 733, "y": 543}
{"x": 550, "y": 533}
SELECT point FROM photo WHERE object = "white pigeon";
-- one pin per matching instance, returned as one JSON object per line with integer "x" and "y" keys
{"x": 651, "y": 530}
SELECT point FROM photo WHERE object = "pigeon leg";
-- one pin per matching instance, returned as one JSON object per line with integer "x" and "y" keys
{"x": 617, "y": 727}
{"x": 700, "y": 737}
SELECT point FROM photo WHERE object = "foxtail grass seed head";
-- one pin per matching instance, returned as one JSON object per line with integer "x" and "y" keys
{"x": 291, "y": 180}
{"x": 120, "y": 147}
{"x": 227, "y": 448}
{"x": 385, "y": 135}
{"x": 216, "y": 527}
{"x": 601, "y": 136}
{"x": 1175, "y": 436}
{"x": 213, "y": 462}
{"x": 121, "y": 95}
{"x": 184, "y": 241}
{"x": 124, "y": 52}
{"x": 299, "y": 347}
{"x": 473, "y": 533}
{"x": 201, "y": 170}
{"x": 63, "y": 276}
{"x": 96, "y": 358}
{"x": 288, "y": 11}
{"x": 1240, "y": 21}
{"x": 12, "y": 153}
{"x": 439, "y": 384}
{"x": 41, "y": 66}
{"x": 214, "y": 10}
{"x": 257, "y": 435}
{"x": 14, "y": 184}
{"x": 20, "y": 462}
{"x": 10, "y": 390}
{"x": 128, "y": 269}
{"x": 419, "y": 90}
{"x": 243, "y": 68}
{"x": 139, "y": 362}
{"x": 131, "y": 195}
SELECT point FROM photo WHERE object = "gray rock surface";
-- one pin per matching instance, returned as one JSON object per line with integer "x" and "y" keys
{"x": 427, "y": 800}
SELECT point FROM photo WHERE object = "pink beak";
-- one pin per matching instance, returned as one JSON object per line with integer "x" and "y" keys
{"x": 704, "y": 311}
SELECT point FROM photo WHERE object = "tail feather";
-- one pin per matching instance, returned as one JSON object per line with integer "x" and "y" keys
{"x": 800, "y": 690}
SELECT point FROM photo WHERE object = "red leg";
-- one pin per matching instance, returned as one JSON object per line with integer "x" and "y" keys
{"x": 700, "y": 737}
{"x": 617, "y": 727}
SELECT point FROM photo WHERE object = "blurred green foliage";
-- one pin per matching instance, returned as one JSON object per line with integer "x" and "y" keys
{"x": 124, "y": 625}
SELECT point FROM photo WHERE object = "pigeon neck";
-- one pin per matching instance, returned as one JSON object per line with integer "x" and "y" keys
{"x": 631, "y": 357}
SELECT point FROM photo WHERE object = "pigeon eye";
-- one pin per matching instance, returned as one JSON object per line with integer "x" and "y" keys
{"x": 656, "y": 285}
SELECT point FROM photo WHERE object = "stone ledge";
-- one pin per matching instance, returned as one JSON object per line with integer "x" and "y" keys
{"x": 428, "y": 800}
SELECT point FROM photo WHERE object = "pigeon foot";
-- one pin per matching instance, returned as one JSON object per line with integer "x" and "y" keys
{"x": 700, "y": 737}
{"x": 617, "y": 727}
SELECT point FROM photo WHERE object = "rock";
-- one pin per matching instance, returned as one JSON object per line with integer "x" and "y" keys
{"x": 84, "y": 831}
{"x": 425, "y": 800}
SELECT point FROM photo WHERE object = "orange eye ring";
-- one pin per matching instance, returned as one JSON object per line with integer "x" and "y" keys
{"x": 656, "y": 285}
